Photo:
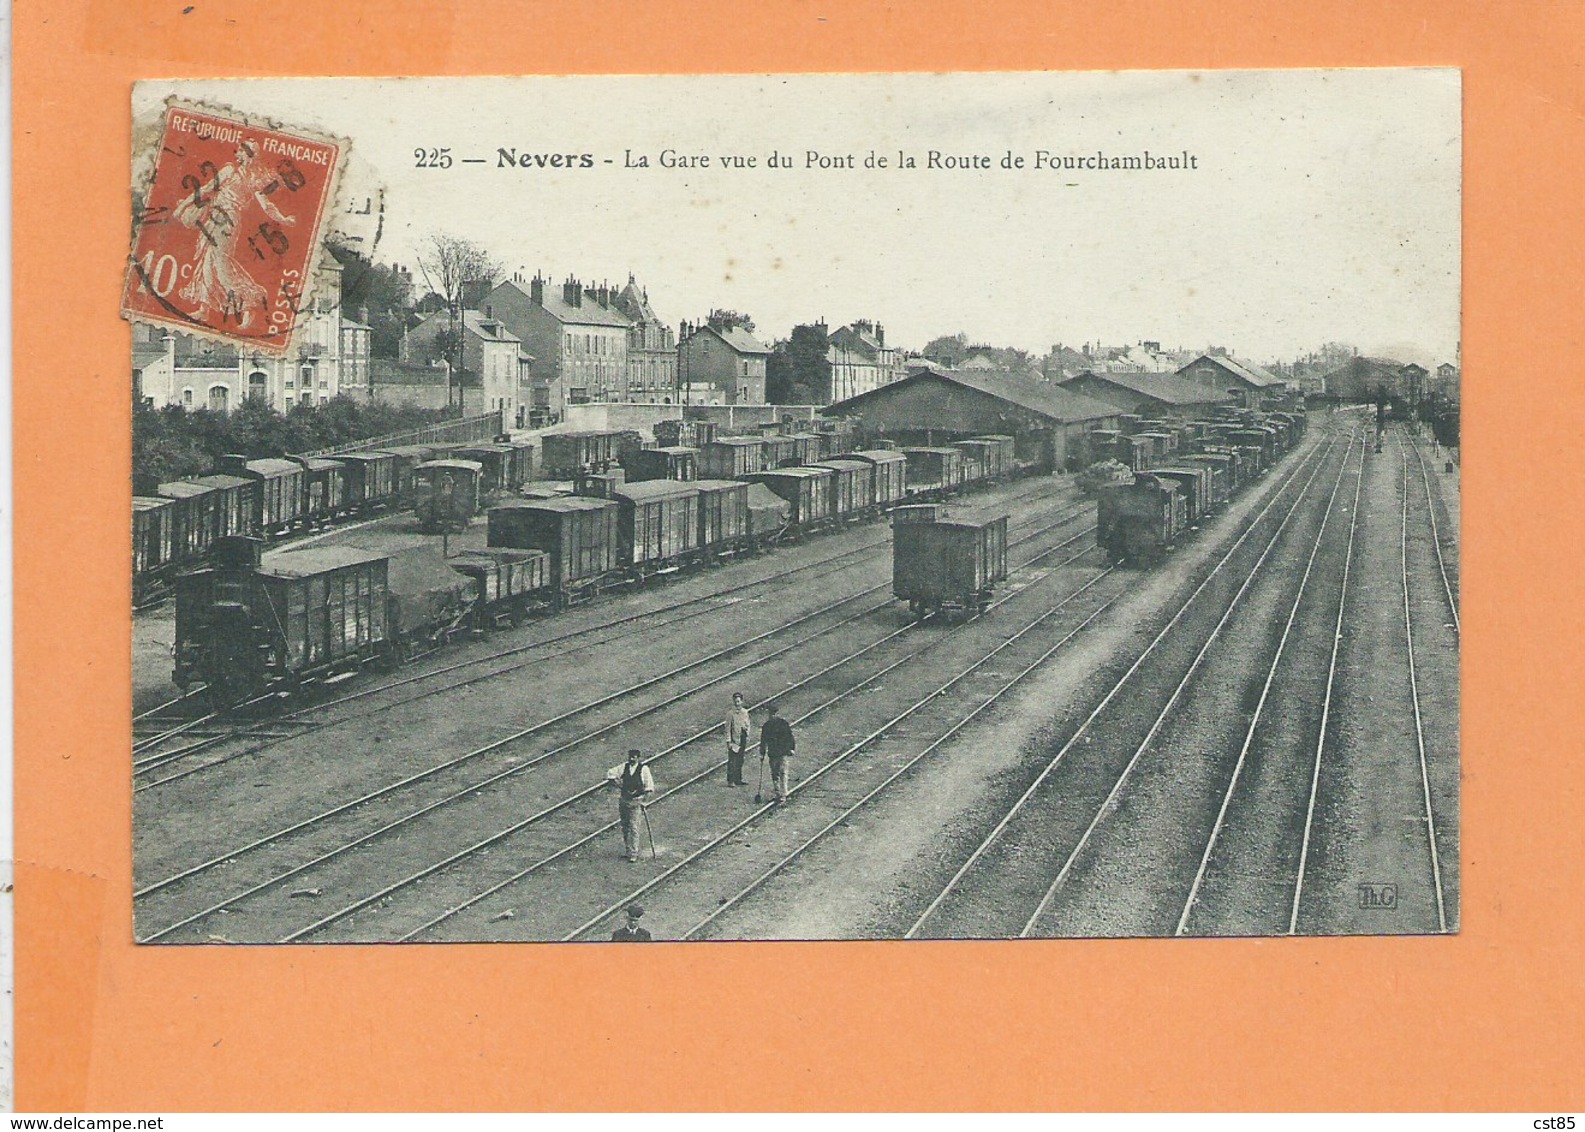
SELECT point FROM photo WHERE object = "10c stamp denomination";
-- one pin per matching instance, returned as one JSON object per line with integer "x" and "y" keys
{"x": 229, "y": 229}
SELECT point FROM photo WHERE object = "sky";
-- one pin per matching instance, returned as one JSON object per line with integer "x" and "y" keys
{"x": 1320, "y": 205}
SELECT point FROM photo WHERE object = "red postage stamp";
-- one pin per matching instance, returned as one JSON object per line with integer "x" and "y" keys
{"x": 229, "y": 227}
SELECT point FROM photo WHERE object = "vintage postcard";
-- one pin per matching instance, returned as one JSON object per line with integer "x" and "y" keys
{"x": 876, "y": 507}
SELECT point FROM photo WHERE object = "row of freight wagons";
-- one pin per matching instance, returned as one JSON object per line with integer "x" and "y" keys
{"x": 175, "y": 527}
{"x": 250, "y": 618}
{"x": 1139, "y": 521}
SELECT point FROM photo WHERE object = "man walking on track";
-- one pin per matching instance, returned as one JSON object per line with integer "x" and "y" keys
{"x": 737, "y": 729}
{"x": 776, "y": 740}
{"x": 634, "y": 783}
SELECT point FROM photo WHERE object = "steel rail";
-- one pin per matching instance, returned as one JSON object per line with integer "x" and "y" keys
{"x": 1172, "y": 702}
{"x": 708, "y": 771}
{"x": 1326, "y": 704}
{"x": 846, "y": 815}
{"x": 533, "y": 761}
{"x": 1436, "y": 536}
{"x": 648, "y": 625}
{"x": 1265, "y": 693}
{"x": 754, "y": 816}
{"x": 1414, "y": 697}
{"x": 1102, "y": 706}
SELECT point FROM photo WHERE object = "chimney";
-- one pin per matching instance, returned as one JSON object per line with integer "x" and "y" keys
{"x": 363, "y": 314}
{"x": 536, "y": 289}
{"x": 880, "y": 334}
{"x": 572, "y": 292}
{"x": 489, "y": 310}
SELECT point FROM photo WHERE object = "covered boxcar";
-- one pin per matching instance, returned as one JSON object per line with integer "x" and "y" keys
{"x": 807, "y": 489}
{"x": 918, "y": 513}
{"x": 657, "y": 525}
{"x": 446, "y": 493}
{"x": 890, "y": 474}
{"x": 778, "y": 450}
{"x": 1194, "y": 481}
{"x": 249, "y": 620}
{"x": 195, "y": 517}
{"x": 1001, "y": 460}
{"x": 578, "y": 535}
{"x": 1221, "y": 469}
{"x": 566, "y": 454}
{"x": 324, "y": 488}
{"x": 806, "y": 447}
{"x": 279, "y": 495}
{"x": 731, "y": 457}
{"x": 933, "y": 471}
{"x": 723, "y": 516}
{"x": 674, "y": 462}
{"x": 154, "y": 545}
{"x": 852, "y": 488}
{"x": 949, "y": 564}
{"x": 684, "y": 434}
{"x": 1139, "y": 522}
{"x": 371, "y": 479}
{"x": 496, "y": 462}
{"x": 406, "y": 458}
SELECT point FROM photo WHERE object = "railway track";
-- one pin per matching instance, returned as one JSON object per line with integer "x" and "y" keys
{"x": 152, "y": 769}
{"x": 221, "y": 866}
{"x": 692, "y": 801}
{"x": 1010, "y": 883}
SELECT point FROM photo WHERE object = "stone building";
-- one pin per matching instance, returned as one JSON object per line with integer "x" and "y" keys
{"x": 721, "y": 360}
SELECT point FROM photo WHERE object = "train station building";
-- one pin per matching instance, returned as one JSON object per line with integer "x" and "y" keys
{"x": 1149, "y": 394}
{"x": 934, "y": 405}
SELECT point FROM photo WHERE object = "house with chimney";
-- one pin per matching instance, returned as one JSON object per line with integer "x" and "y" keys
{"x": 490, "y": 358}
{"x": 861, "y": 360}
{"x": 578, "y": 336}
{"x": 719, "y": 361}
{"x": 1226, "y": 374}
{"x": 651, "y": 348}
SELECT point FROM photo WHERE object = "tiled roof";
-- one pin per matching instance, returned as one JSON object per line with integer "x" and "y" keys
{"x": 491, "y": 328}
{"x": 1239, "y": 369}
{"x": 590, "y": 313}
{"x": 1041, "y": 397}
{"x": 1166, "y": 387}
{"x": 740, "y": 340}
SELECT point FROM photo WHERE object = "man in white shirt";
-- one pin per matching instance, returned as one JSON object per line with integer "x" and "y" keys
{"x": 634, "y": 783}
{"x": 737, "y": 732}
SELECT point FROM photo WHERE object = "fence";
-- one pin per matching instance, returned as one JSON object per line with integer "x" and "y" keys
{"x": 485, "y": 426}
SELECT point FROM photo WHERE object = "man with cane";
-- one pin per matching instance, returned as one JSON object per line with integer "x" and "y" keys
{"x": 634, "y": 783}
{"x": 737, "y": 729}
{"x": 776, "y": 742}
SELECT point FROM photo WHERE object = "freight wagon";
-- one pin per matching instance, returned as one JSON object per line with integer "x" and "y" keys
{"x": 1139, "y": 522}
{"x": 278, "y": 496}
{"x": 657, "y": 527}
{"x": 566, "y": 454}
{"x": 673, "y": 462}
{"x": 324, "y": 489}
{"x": 153, "y": 546}
{"x": 950, "y": 565}
{"x": 808, "y": 490}
{"x": 371, "y": 480}
{"x": 890, "y": 474}
{"x": 684, "y": 434}
{"x": 769, "y": 515}
{"x": 511, "y": 583}
{"x": 407, "y": 457}
{"x": 578, "y": 534}
{"x": 723, "y": 516}
{"x": 852, "y": 488}
{"x": 446, "y": 494}
{"x": 731, "y": 457}
{"x": 933, "y": 472}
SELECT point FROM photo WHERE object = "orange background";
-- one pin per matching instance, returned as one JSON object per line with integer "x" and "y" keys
{"x": 1490, "y": 1019}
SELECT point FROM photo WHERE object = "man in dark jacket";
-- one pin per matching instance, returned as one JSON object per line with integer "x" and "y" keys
{"x": 632, "y": 933}
{"x": 776, "y": 740}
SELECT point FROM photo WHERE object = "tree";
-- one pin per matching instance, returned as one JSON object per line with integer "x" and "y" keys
{"x": 725, "y": 320}
{"x": 798, "y": 372}
{"x": 448, "y": 262}
{"x": 378, "y": 294}
{"x": 948, "y": 350}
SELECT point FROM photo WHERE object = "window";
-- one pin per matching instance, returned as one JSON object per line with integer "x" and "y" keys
{"x": 187, "y": 398}
{"x": 256, "y": 385}
{"x": 219, "y": 398}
